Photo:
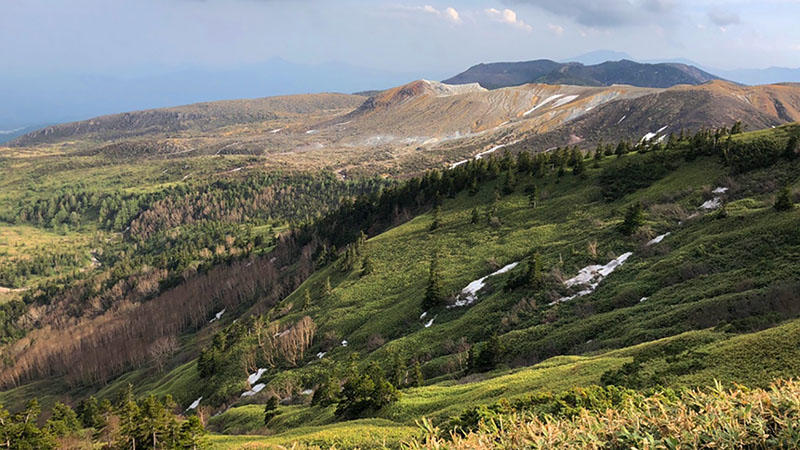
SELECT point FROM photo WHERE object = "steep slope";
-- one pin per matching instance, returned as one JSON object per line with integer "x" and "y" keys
{"x": 662, "y": 75}
{"x": 715, "y": 104}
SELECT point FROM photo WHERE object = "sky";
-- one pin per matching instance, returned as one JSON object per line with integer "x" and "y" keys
{"x": 141, "y": 36}
{"x": 63, "y": 60}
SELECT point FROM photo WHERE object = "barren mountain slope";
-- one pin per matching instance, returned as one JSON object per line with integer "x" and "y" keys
{"x": 713, "y": 104}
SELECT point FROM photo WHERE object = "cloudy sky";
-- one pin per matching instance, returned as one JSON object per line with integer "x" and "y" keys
{"x": 136, "y": 36}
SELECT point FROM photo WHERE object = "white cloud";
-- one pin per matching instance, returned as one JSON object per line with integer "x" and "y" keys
{"x": 557, "y": 29}
{"x": 450, "y": 14}
{"x": 509, "y": 17}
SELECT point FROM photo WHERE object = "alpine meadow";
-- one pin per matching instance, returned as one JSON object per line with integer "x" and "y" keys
{"x": 597, "y": 252}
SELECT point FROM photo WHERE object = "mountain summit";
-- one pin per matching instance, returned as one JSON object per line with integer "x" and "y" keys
{"x": 504, "y": 74}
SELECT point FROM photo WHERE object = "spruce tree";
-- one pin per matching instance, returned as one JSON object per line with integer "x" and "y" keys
{"x": 418, "y": 378}
{"x": 270, "y": 409}
{"x": 366, "y": 266}
{"x": 434, "y": 293}
{"x": 783, "y": 202}
{"x": 579, "y": 168}
{"x": 435, "y": 223}
{"x": 534, "y": 273}
{"x": 475, "y": 216}
{"x": 532, "y": 195}
{"x": 634, "y": 218}
{"x": 792, "y": 147}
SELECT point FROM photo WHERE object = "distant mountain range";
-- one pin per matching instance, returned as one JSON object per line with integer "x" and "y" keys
{"x": 661, "y": 75}
{"x": 747, "y": 76}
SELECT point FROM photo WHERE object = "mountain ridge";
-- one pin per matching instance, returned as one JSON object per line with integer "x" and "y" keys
{"x": 504, "y": 74}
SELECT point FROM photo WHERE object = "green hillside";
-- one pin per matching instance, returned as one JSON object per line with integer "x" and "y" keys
{"x": 700, "y": 284}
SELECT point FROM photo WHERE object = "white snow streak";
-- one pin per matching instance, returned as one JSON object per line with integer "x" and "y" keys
{"x": 546, "y": 101}
{"x": 658, "y": 238}
{"x": 321, "y": 354}
{"x": 255, "y": 390}
{"x": 429, "y": 323}
{"x": 620, "y": 120}
{"x": 469, "y": 294}
{"x": 591, "y": 276}
{"x": 714, "y": 203}
{"x": 275, "y": 130}
{"x": 720, "y": 190}
{"x": 256, "y": 376}
{"x": 195, "y": 403}
{"x": 218, "y": 315}
{"x": 564, "y": 101}
{"x": 307, "y": 392}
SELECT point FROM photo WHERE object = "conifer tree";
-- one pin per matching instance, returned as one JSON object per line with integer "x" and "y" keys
{"x": 270, "y": 409}
{"x": 434, "y": 293}
{"x": 418, "y": 378}
{"x": 783, "y": 202}
{"x": 634, "y": 218}
{"x": 475, "y": 216}
{"x": 366, "y": 266}
{"x": 534, "y": 273}
{"x": 435, "y": 223}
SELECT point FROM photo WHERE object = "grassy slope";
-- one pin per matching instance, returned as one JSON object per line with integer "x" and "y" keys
{"x": 753, "y": 243}
{"x": 745, "y": 254}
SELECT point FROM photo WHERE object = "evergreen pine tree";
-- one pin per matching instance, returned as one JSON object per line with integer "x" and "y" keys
{"x": 418, "y": 378}
{"x": 434, "y": 293}
{"x": 435, "y": 223}
{"x": 783, "y": 202}
{"x": 475, "y": 216}
{"x": 509, "y": 182}
{"x": 534, "y": 273}
{"x": 532, "y": 195}
{"x": 579, "y": 168}
{"x": 270, "y": 409}
{"x": 634, "y": 218}
{"x": 792, "y": 147}
{"x": 306, "y": 300}
{"x": 366, "y": 266}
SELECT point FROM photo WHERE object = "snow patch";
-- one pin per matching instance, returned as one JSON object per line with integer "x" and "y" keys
{"x": 275, "y": 130}
{"x": 546, "y": 101}
{"x": 344, "y": 343}
{"x": 620, "y": 120}
{"x": 720, "y": 190}
{"x": 714, "y": 203}
{"x": 307, "y": 392}
{"x": 256, "y": 376}
{"x": 255, "y": 390}
{"x": 429, "y": 323}
{"x": 658, "y": 238}
{"x": 218, "y": 315}
{"x": 311, "y": 132}
{"x": 564, "y": 101}
{"x": 422, "y": 316}
{"x": 321, "y": 354}
{"x": 591, "y": 276}
{"x": 469, "y": 294}
{"x": 643, "y": 299}
{"x": 195, "y": 403}
{"x": 482, "y": 154}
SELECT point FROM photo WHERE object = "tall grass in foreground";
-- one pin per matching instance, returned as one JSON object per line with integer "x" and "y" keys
{"x": 703, "y": 418}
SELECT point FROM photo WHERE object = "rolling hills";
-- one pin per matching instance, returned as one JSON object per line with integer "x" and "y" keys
{"x": 416, "y": 126}
{"x": 703, "y": 289}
